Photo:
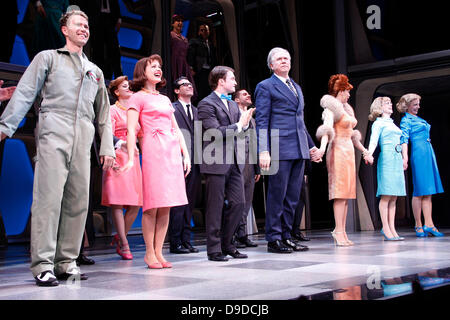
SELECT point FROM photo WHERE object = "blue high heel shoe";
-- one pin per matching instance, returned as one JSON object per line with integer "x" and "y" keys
{"x": 420, "y": 234}
{"x": 399, "y": 238}
{"x": 435, "y": 232}
{"x": 386, "y": 237}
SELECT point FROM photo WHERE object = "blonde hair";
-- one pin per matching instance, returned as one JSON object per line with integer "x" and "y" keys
{"x": 405, "y": 101}
{"x": 376, "y": 109}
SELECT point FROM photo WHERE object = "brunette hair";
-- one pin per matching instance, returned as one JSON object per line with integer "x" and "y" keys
{"x": 114, "y": 84}
{"x": 405, "y": 101}
{"x": 139, "y": 77}
{"x": 217, "y": 73}
{"x": 337, "y": 83}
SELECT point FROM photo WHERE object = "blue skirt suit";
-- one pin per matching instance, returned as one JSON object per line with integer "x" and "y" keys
{"x": 424, "y": 168}
{"x": 390, "y": 176}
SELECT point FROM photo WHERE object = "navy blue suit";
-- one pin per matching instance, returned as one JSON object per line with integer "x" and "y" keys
{"x": 180, "y": 217}
{"x": 279, "y": 113}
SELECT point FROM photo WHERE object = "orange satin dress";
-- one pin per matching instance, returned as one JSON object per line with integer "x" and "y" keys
{"x": 341, "y": 159}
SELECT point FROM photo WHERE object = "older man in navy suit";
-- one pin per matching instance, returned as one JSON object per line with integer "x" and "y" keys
{"x": 284, "y": 143}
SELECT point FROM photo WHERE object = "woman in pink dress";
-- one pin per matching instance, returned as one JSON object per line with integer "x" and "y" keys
{"x": 122, "y": 189}
{"x": 162, "y": 163}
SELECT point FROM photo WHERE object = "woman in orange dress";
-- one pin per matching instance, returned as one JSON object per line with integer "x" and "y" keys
{"x": 163, "y": 166}
{"x": 337, "y": 131}
{"x": 122, "y": 189}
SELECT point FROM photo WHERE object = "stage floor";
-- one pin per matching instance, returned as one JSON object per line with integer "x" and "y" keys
{"x": 372, "y": 269}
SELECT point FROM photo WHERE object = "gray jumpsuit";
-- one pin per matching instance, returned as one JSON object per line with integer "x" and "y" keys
{"x": 74, "y": 94}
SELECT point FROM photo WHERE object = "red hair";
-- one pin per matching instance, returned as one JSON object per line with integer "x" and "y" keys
{"x": 338, "y": 82}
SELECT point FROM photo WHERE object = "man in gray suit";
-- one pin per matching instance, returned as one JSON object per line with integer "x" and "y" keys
{"x": 251, "y": 173}
{"x": 222, "y": 165}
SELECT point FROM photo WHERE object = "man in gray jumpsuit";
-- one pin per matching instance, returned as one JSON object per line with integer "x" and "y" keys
{"x": 74, "y": 95}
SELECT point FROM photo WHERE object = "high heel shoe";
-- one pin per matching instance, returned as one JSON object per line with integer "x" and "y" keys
{"x": 115, "y": 242}
{"x": 399, "y": 238}
{"x": 350, "y": 243}
{"x": 126, "y": 255}
{"x": 420, "y": 234}
{"x": 337, "y": 242}
{"x": 386, "y": 237}
{"x": 434, "y": 231}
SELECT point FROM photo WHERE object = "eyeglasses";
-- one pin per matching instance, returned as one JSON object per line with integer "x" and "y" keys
{"x": 186, "y": 84}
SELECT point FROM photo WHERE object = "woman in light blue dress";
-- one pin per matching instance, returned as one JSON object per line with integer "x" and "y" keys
{"x": 390, "y": 176}
{"x": 424, "y": 168}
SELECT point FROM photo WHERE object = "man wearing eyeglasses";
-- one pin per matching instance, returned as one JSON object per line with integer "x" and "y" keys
{"x": 180, "y": 217}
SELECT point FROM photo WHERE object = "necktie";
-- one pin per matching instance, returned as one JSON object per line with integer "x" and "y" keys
{"x": 289, "y": 84}
{"x": 188, "y": 107}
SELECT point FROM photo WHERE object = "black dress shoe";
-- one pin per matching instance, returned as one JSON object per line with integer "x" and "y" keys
{"x": 250, "y": 244}
{"x": 75, "y": 276}
{"x": 188, "y": 246}
{"x": 179, "y": 249}
{"x": 83, "y": 260}
{"x": 217, "y": 257}
{"x": 295, "y": 246}
{"x": 239, "y": 244}
{"x": 278, "y": 247}
{"x": 46, "y": 279}
{"x": 300, "y": 237}
{"x": 236, "y": 254}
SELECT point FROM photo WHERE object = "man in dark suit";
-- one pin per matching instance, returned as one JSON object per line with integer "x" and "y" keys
{"x": 284, "y": 144}
{"x": 180, "y": 217}
{"x": 251, "y": 170}
{"x": 222, "y": 164}
{"x": 201, "y": 57}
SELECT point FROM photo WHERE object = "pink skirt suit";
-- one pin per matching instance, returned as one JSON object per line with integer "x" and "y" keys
{"x": 162, "y": 164}
{"x": 122, "y": 188}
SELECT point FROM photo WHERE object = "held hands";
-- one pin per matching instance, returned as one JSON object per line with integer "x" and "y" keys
{"x": 107, "y": 162}
{"x": 316, "y": 154}
{"x": 257, "y": 177}
{"x": 368, "y": 159}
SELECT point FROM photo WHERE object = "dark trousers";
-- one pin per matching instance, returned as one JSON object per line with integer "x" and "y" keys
{"x": 249, "y": 187}
{"x": 180, "y": 217}
{"x": 299, "y": 210}
{"x": 221, "y": 223}
{"x": 283, "y": 193}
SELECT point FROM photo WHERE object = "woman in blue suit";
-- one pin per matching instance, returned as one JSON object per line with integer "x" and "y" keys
{"x": 424, "y": 168}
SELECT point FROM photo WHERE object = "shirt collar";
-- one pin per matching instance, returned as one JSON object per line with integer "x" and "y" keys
{"x": 281, "y": 78}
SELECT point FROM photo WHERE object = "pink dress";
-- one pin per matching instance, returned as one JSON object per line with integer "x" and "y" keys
{"x": 122, "y": 188}
{"x": 162, "y": 165}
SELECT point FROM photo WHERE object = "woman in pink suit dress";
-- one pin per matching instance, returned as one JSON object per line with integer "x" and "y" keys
{"x": 162, "y": 161}
{"x": 122, "y": 189}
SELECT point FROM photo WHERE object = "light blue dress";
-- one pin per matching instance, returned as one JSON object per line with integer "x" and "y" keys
{"x": 390, "y": 176}
{"x": 424, "y": 168}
